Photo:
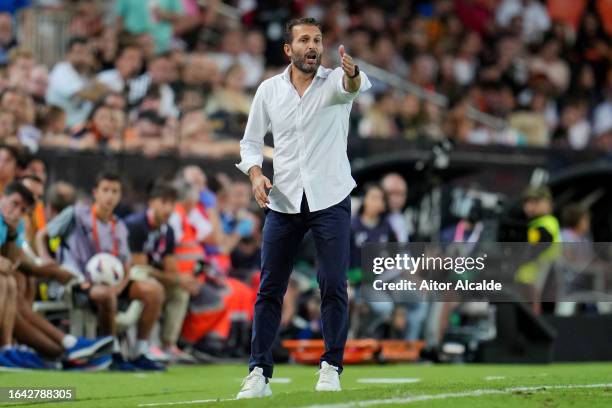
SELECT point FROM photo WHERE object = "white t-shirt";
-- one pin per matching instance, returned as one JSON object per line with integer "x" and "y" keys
{"x": 64, "y": 83}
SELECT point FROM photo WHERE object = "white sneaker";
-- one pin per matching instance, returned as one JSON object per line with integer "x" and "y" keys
{"x": 255, "y": 385}
{"x": 329, "y": 379}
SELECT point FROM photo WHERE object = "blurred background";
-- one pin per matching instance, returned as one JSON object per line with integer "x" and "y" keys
{"x": 486, "y": 118}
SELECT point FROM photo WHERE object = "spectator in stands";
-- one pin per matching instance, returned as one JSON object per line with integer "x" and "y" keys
{"x": 576, "y": 222}
{"x": 232, "y": 45}
{"x": 70, "y": 86}
{"x": 161, "y": 73}
{"x": 379, "y": 121}
{"x": 7, "y": 37}
{"x": 101, "y": 131}
{"x": 86, "y": 231}
{"x": 22, "y": 106}
{"x": 201, "y": 71}
{"x": 128, "y": 64}
{"x": 535, "y": 18}
{"x": 8, "y": 127}
{"x": 51, "y": 121}
{"x": 30, "y": 165}
{"x": 548, "y": 62}
{"x": 574, "y": 129}
{"x": 8, "y": 165}
{"x": 231, "y": 98}
{"x": 116, "y": 100}
{"x": 396, "y": 190}
{"x": 370, "y": 224}
{"x": 152, "y": 244}
{"x": 147, "y": 135}
{"x": 21, "y": 63}
{"x": 252, "y": 58}
{"x": 155, "y": 19}
{"x": 37, "y": 85}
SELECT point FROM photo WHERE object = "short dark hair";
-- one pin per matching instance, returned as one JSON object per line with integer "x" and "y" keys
{"x": 288, "y": 35}
{"x": 76, "y": 41}
{"x": 60, "y": 195}
{"x": 16, "y": 187}
{"x": 374, "y": 186}
{"x": 163, "y": 190}
{"x": 572, "y": 214}
{"x": 128, "y": 45}
{"x": 107, "y": 176}
{"x": 12, "y": 150}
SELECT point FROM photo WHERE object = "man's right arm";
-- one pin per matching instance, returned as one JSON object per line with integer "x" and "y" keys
{"x": 251, "y": 147}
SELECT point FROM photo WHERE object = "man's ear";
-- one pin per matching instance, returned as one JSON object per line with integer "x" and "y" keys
{"x": 287, "y": 49}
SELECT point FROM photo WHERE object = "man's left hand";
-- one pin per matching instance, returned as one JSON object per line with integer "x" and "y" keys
{"x": 348, "y": 65}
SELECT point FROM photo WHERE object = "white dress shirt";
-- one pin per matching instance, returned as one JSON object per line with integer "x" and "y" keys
{"x": 310, "y": 139}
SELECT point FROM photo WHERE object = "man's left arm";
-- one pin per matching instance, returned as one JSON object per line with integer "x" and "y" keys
{"x": 353, "y": 81}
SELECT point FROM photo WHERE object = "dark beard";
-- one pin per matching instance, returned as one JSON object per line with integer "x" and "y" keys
{"x": 300, "y": 63}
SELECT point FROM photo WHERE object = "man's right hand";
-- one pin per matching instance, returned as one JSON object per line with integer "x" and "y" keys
{"x": 259, "y": 184}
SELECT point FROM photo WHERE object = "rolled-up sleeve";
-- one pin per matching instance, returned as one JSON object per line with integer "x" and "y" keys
{"x": 251, "y": 145}
{"x": 350, "y": 96}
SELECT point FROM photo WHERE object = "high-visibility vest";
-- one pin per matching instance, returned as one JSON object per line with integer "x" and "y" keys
{"x": 188, "y": 250}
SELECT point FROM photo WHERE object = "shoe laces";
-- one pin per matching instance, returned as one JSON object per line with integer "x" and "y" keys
{"x": 327, "y": 374}
{"x": 250, "y": 381}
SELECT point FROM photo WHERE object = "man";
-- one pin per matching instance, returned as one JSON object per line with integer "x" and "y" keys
{"x": 70, "y": 87}
{"x": 19, "y": 69}
{"x": 127, "y": 65}
{"x": 396, "y": 191}
{"x": 8, "y": 164}
{"x": 16, "y": 201}
{"x": 86, "y": 231}
{"x": 161, "y": 72}
{"x": 544, "y": 233}
{"x": 32, "y": 329}
{"x": 307, "y": 108}
{"x": 7, "y": 37}
{"x": 152, "y": 244}
{"x": 156, "y": 18}
{"x": 542, "y": 226}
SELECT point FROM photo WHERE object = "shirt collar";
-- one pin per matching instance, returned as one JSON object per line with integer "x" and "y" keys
{"x": 321, "y": 73}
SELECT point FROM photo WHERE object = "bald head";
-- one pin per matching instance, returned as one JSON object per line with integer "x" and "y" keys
{"x": 396, "y": 189}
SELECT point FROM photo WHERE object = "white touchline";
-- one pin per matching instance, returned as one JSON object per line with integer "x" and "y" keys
{"x": 280, "y": 380}
{"x": 159, "y": 404}
{"x": 474, "y": 393}
{"x": 404, "y": 400}
{"x": 494, "y": 377}
{"x": 388, "y": 380}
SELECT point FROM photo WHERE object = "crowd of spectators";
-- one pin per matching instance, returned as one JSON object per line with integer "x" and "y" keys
{"x": 179, "y": 75}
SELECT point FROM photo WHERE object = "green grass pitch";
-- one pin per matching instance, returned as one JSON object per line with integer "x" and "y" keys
{"x": 456, "y": 386}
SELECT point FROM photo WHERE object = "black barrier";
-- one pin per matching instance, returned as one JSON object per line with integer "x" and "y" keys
{"x": 370, "y": 159}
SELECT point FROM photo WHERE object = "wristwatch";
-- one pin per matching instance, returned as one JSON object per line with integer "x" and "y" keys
{"x": 356, "y": 72}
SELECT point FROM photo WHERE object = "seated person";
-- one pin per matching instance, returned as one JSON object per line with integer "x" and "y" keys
{"x": 86, "y": 231}
{"x": 152, "y": 245}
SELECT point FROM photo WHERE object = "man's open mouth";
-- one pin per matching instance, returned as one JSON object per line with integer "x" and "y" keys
{"x": 311, "y": 57}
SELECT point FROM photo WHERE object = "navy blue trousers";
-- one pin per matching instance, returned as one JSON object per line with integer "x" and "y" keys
{"x": 282, "y": 234}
